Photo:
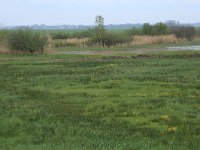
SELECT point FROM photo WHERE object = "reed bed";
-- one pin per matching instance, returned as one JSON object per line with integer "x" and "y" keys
{"x": 71, "y": 42}
{"x": 137, "y": 40}
{"x": 148, "y": 40}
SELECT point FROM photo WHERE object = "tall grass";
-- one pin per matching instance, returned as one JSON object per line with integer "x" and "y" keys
{"x": 71, "y": 42}
{"x": 78, "y": 42}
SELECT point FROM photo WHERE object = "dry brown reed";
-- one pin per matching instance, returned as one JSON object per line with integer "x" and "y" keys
{"x": 137, "y": 40}
{"x": 148, "y": 40}
{"x": 71, "y": 42}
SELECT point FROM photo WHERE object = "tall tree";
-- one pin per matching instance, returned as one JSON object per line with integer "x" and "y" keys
{"x": 99, "y": 27}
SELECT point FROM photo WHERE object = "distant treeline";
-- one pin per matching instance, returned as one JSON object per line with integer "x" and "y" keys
{"x": 187, "y": 32}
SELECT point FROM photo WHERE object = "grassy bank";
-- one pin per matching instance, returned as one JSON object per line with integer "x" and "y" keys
{"x": 100, "y": 102}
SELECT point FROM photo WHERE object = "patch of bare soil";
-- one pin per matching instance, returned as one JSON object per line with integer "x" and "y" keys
{"x": 4, "y": 51}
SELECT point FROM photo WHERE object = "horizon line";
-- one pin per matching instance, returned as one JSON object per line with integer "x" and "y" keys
{"x": 10, "y": 25}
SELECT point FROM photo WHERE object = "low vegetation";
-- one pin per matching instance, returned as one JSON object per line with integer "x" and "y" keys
{"x": 146, "y": 101}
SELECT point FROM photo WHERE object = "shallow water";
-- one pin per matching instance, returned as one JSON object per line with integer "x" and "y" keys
{"x": 184, "y": 48}
{"x": 109, "y": 52}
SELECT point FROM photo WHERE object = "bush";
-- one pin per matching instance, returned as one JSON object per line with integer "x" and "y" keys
{"x": 59, "y": 35}
{"x": 198, "y": 32}
{"x": 26, "y": 40}
{"x": 184, "y": 32}
{"x": 110, "y": 39}
{"x": 3, "y": 34}
{"x": 147, "y": 29}
{"x": 161, "y": 29}
{"x": 157, "y": 29}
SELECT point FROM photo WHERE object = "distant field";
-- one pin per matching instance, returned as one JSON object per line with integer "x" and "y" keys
{"x": 146, "y": 101}
{"x": 72, "y": 31}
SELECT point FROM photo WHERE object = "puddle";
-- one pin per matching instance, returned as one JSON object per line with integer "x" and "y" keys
{"x": 184, "y": 48}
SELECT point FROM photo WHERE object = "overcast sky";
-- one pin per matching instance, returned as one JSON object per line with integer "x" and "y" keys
{"x": 53, "y": 12}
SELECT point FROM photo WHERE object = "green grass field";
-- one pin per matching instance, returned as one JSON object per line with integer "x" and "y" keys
{"x": 100, "y": 102}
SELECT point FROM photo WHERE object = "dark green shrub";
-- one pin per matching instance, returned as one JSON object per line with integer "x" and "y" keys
{"x": 161, "y": 29}
{"x": 95, "y": 38}
{"x": 147, "y": 29}
{"x": 157, "y": 29}
{"x": 110, "y": 39}
{"x": 3, "y": 34}
{"x": 198, "y": 32}
{"x": 59, "y": 35}
{"x": 26, "y": 40}
{"x": 120, "y": 38}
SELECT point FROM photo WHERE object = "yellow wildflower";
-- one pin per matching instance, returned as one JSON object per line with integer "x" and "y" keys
{"x": 165, "y": 117}
{"x": 172, "y": 129}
